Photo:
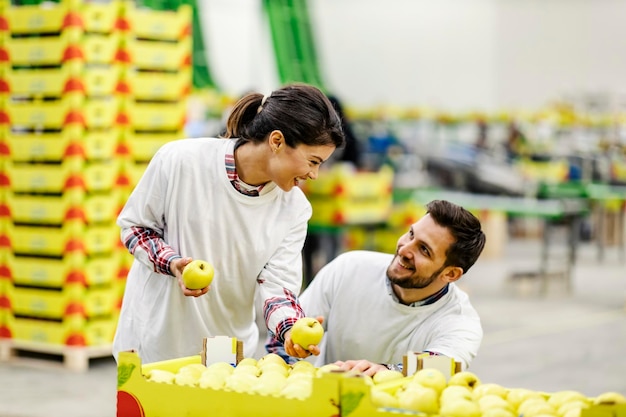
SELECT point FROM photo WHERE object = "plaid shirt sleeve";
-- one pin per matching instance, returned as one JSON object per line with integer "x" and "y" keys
{"x": 151, "y": 242}
{"x": 273, "y": 345}
{"x": 289, "y": 304}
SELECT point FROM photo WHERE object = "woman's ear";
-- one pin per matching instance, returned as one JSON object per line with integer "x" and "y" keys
{"x": 276, "y": 140}
{"x": 452, "y": 273}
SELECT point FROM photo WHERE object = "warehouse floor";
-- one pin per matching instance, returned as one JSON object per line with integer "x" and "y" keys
{"x": 548, "y": 343}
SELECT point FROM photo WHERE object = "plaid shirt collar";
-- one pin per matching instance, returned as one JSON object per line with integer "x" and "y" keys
{"x": 231, "y": 171}
{"x": 428, "y": 300}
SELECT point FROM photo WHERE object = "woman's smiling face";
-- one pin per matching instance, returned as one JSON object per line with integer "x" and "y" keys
{"x": 289, "y": 165}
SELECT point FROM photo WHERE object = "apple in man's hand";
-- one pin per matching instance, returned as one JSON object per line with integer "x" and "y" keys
{"x": 198, "y": 274}
{"x": 307, "y": 331}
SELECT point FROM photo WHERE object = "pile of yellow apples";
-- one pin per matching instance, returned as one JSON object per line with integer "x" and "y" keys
{"x": 269, "y": 375}
{"x": 428, "y": 391}
{"x": 464, "y": 395}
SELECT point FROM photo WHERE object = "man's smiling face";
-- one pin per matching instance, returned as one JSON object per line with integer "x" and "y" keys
{"x": 420, "y": 255}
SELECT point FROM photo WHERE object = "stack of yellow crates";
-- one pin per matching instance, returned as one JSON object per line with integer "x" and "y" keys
{"x": 342, "y": 196}
{"x": 158, "y": 47}
{"x": 79, "y": 92}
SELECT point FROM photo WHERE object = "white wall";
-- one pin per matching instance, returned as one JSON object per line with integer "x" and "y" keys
{"x": 237, "y": 38}
{"x": 451, "y": 54}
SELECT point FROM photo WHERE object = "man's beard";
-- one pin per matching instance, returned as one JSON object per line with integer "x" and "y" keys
{"x": 414, "y": 281}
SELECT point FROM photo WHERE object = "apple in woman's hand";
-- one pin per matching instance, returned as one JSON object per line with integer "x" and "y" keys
{"x": 198, "y": 274}
{"x": 307, "y": 331}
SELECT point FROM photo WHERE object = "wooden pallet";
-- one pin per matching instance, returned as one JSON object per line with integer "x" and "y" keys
{"x": 74, "y": 358}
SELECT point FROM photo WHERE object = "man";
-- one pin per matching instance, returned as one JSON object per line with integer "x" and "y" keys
{"x": 376, "y": 307}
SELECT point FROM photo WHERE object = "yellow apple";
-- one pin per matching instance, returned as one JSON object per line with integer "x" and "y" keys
{"x": 535, "y": 406}
{"x": 498, "y": 412}
{"x": 198, "y": 274}
{"x": 516, "y": 396}
{"x": 214, "y": 380}
{"x": 220, "y": 367}
{"x": 489, "y": 389}
{"x": 610, "y": 398}
{"x": 272, "y": 358}
{"x": 419, "y": 398}
{"x": 382, "y": 398}
{"x": 274, "y": 368}
{"x": 567, "y": 407}
{"x": 464, "y": 378}
{"x": 240, "y": 382}
{"x": 459, "y": 407}
{"x": 386, "y": 375}
{"x": 304, "y": 376}
{"x": 489, "y": 401}
{"x": 431, "y": 378}
{"x": 247, "y": 361}
{"x": 572, "y": 412}
{"x": 452, "y": 392}
{"x": 162, "y": 376}
{"x": 195, "y": 369}
{"x": 247, "y": 369}
{"x": 297, "y": 390}
{"x": 557, "y": 399}
{"x": 307, "y": 331}
{"x": 329, "y": 367}
{"x": 189, "y": 379}
{"x": 269, "y": 384}
{"x": 302, "y": 365}
{"x": 302, "y": 371}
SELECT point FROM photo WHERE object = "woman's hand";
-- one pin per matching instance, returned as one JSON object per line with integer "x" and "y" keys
{"x": 176, "y": 267}
{"x": 298, "y": 351}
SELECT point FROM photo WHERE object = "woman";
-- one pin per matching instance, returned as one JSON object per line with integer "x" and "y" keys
{"x": 233, "y": 202}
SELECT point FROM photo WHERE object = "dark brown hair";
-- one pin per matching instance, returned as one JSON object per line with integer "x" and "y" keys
{"x": 464, "y": 227}
{"x": 301, "y": 112}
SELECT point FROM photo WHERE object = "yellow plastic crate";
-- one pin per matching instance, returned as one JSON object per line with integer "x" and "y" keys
{"x": 91, "y": 80}
{"x": 60, "y": 241}
{"x": 57, "y": 209}
{"x": 51, "y": 17}
{"x": 154, "y": 55}
{"x": 340, "y": 182}
{"x": 156, "y": 116}
{"x": 49, "y": 82}
{"x": 147, "y": 23}
{"x": 74, "y": 331}
{"x": 132, "y": 172}
{"x": 337, "y": 211}
{"x": 40, "y": 18}
{"x": 59, "y": 303}
{"x": 167, "y": 86}
{"x": 142, "y": 146}
{"x": 404, "y": 214}
{"x": 101, "y": 113}
{"x": 72, "y": 109}
{"x": 138, "y": 396}
{"x": 54, "y": 146}
{"x": 38, "y": 114}
{"x": 99, "y": 17}
{"x": 55, "y": 50}
{"x": 57, "y": 272}
{"x": 57, "y": 178}
{"x": 549, "y": 171}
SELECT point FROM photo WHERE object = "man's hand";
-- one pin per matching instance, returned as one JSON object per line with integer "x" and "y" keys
{"x": 176, "y": 267}
{"x": 361, "y": 366}
{"x": 298, "y": 351}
